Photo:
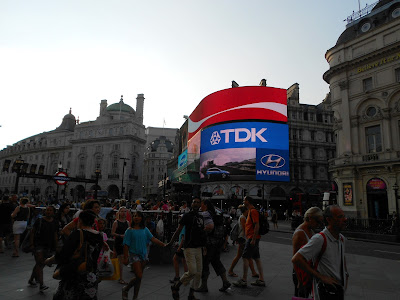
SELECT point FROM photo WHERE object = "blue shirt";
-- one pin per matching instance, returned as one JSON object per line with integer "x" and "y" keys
{"x": 137, "y": 240}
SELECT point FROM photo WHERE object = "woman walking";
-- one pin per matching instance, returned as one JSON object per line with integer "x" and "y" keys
{"x": 43, "y": 242}
{"x": 118, "y": 229}
{"x": 21, "y": 215}
{"x": 274, "y": 219}
{"x": 135, "y": 249}
{"x": 241, "y": 242}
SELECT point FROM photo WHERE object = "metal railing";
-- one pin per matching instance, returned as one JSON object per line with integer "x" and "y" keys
{"x": 360, "y": 13}
{"x": 376, "y": 226}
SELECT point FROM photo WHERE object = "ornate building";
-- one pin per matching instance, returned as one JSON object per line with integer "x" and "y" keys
{"x": 364, "y": 76}
{"x": 113, "y": 143}
{"x": 160, "y": 148}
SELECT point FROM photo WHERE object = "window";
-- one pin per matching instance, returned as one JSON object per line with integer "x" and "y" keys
{"x": 367, "y": 84}
{"x": 311, "y": 117}
{"x": 299, "y": 134}
{"x": 114, "y": 163}
{"x": 373, "y": 138}
{"x": 116, "y": 147}
{"x": 397, "y": 73}
{"x": 294, "y": 115}
{"x": 312, "y": 134}
{"x": 371, "y": 111}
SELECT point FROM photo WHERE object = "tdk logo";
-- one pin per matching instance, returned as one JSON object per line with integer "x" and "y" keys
{"x": 238, "y": 135}
{"x": 273, "y": 161}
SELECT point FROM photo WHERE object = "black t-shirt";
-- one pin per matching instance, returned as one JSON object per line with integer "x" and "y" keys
{"x": 6, "y": 210}
{"x": 195, "y": 236}
{"x": 44, "y": 233}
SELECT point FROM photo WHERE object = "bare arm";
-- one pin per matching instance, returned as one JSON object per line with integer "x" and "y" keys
{"x": 158, "y": 242}
{"x": 15, "y": 212}
{"x": 301, "y": 262}
{"x": 176, "y": 233}
{"x": 126, "y": 255}
{"x": 68, "y": 228}
{"x": 299, "y": 239}
{"x": 114, "y": 229}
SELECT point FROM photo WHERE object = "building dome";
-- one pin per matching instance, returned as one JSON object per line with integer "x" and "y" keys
{"x": 162, "y": 140}
{"x": 68, "y": 122}
{"x": 121, "y": 107}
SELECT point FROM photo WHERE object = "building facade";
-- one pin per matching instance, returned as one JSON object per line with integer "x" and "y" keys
{"x": 160, "y": 147}
{"x": 364, "y": 76}
{"x": 114, "y": 143}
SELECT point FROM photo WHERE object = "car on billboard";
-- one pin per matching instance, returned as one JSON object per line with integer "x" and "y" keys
{"x": 216, "y": 172}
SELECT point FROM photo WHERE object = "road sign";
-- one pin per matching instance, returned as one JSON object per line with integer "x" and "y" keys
{"x": 61, "y": 178}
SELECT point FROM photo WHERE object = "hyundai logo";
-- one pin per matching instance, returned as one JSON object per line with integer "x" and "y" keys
{"x": 273, "y": 161}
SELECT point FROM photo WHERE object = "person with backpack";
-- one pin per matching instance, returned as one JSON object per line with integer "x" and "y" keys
{"x": 215, "y": 241}
{"x": 251, "y": 248}
{"x": 77, "y": 261}
{"x": 240, "y": 239}
{"x": 327, "y": 250}
{"x": 313, "y": 218}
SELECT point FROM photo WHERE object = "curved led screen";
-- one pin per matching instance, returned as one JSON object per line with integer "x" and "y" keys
{"x": 241, "y": 103}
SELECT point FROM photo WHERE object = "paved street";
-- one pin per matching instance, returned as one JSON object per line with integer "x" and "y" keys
{"x": 371, "y": 277}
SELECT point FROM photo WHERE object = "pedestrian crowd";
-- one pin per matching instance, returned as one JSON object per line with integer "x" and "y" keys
{"x": 78, "y": 246}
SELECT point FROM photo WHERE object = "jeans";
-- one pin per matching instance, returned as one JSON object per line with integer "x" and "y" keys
{"x": 193, "y": 258}
{"x": 213, "y": 257}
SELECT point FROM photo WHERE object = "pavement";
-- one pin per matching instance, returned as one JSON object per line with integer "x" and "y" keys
{"x": 370, "y": 277}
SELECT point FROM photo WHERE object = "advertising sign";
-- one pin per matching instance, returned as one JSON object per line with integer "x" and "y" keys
{"x": 183, "y": 159}
{"x": 241, "y": 103}
{"x": 376, "y": 184}
{"x": 245, "y": 151}
{"x": 347, "y": 194}
{"x": 272, "y": 165}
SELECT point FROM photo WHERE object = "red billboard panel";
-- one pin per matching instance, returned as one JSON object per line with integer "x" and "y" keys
{"x": 241, "y": 103}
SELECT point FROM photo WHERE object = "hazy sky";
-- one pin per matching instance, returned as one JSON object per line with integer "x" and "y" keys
{"x": 60, "y": 54}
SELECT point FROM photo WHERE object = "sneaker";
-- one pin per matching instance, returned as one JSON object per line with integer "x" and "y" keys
{"x": 32, "y": 283}
{"x": 225, "y": 286}
{"x": 43, "y": 288}
{"x": 258, "y": 282}
{"x": 240, "y": 283}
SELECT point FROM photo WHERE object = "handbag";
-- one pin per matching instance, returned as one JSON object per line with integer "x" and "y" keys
{"x": 330, "y": 292}
{"x": 116, "y": 275}
{"x": 105, "y": 266}
{"x": 76, "y": 265}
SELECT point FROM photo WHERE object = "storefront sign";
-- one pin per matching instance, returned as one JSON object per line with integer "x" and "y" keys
{"x": 379, "y": 63}
{"x": 348, "y": 194}
{"x": 376, "y": 184}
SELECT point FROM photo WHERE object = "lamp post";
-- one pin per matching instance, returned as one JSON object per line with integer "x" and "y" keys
{"x": 396, "y": 189}
{"x": 97, "y": 172}
{"x": 123, "y": 172}
{"x": 17, "y": 169}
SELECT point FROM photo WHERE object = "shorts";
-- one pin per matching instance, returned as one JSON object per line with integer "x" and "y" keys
{"x": 135, "y": 258}
{"x": 19, "y": 227}
{"x": 5, "y": 230}
{"x": 180, "y": 253}
{"x": 251, "y": 251}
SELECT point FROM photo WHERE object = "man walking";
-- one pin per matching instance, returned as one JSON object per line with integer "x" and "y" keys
{"x": 195, "y": 239}
{"x": 327, "y": 251}
{"x": 251, "y": 248}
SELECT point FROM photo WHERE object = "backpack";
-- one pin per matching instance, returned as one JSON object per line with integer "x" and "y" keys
{"x": 217, "y": 235}
{"x": 234, "y": 235}
{"x": 263, "y": 222}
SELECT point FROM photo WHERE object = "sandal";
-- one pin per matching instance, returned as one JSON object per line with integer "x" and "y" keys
{"x": 121, "y": 281}
{"x": 233, "y": 274}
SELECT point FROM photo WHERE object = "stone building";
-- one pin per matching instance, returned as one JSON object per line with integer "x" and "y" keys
{"x": 364, "y": 76}
{"x": 113, "y": 143}
{"x": 160, "y": 147}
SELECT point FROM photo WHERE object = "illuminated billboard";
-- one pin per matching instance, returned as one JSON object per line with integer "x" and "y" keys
{"x": 245, "y": 151}
{"x": 183, "y": 159}
{"x": 236, "y": 104}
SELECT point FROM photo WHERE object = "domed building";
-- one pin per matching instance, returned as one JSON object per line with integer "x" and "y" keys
{"x": 113, "y": 144}
{"x": 364, "y": 76}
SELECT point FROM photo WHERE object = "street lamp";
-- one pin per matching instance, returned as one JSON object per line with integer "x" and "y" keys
{"x": 17, "y": 169}
{"x": 97, "y": 172}
{"x": 396, "y": 189}
{"x": 123, "y": 172}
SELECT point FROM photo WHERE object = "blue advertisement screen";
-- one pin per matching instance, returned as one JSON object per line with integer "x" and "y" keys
{"x": 245, "y": 135}
{"x": 245, "y": 151}
{"x": 272, "y": 165}
{"x": 183, "y": 159}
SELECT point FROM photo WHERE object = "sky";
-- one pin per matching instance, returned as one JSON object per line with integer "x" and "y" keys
{"x": 57, "y": 55}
